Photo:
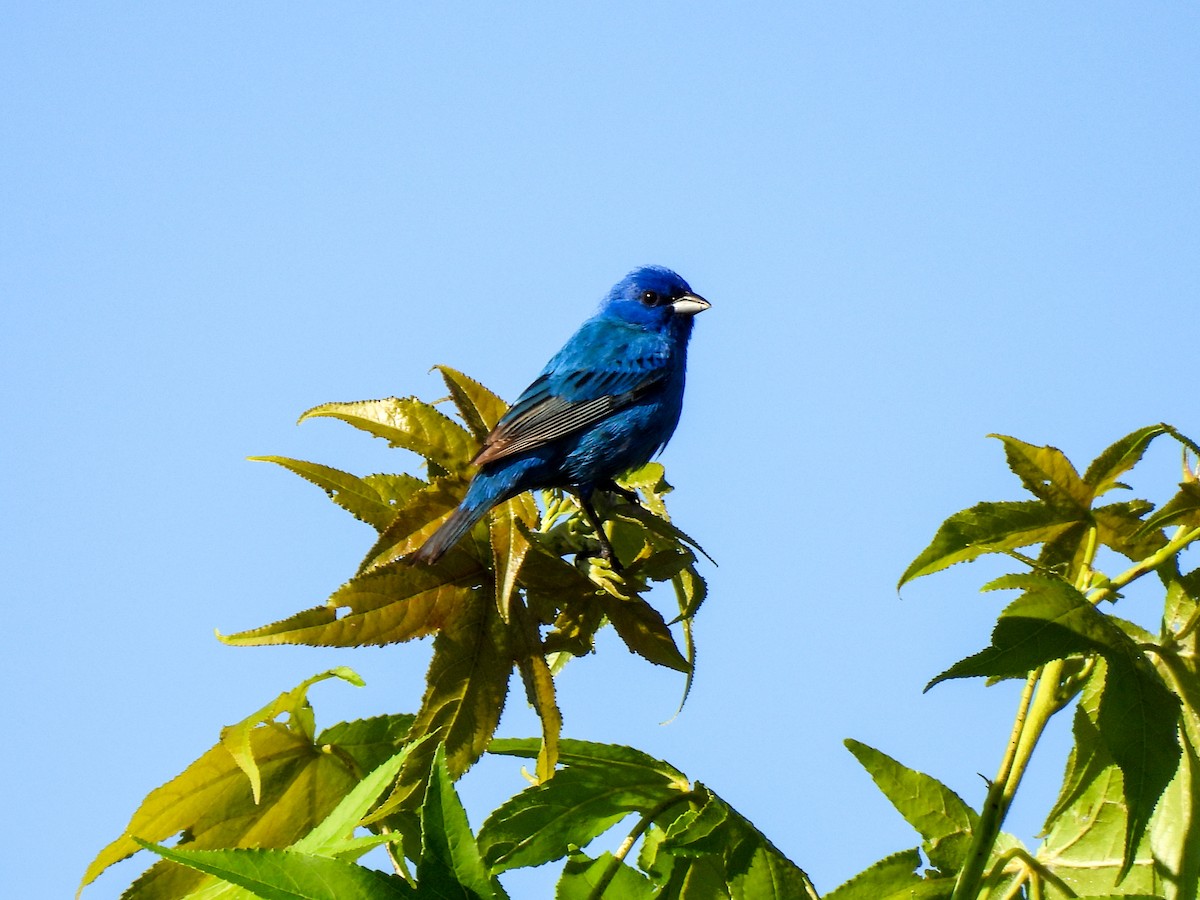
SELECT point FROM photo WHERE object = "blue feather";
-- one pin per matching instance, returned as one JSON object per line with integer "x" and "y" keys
{"x": 604, "y": 404}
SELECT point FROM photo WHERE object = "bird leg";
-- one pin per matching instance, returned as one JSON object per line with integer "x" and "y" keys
{"x": 589, "y": 513}
{"x": 624, "y": 493}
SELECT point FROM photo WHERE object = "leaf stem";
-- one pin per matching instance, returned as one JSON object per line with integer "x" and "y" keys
{"x": 1182, "y": 538}
{"x": 1033, "y": 712}
{"x": 610, "y": 871}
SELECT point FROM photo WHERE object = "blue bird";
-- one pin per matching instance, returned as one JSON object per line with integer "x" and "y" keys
{"x": 606, "y": 403}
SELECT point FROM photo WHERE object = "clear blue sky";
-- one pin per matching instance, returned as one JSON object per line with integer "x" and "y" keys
{"x": 917, "y": 224}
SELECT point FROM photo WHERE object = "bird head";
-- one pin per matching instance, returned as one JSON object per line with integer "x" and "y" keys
{"x": 654, "y": 297}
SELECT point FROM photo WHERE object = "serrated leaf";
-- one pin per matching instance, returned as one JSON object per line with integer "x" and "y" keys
{"x": 1119, "y": 526}
{"x": 510, "y": 546}
{"x": 770, "y": 875}
{"x": 593, "y": 755}
{"x": 466, "y": 687}
{"x": 288, "y": 875}
{"x": 544, "y": 821}
{"x": 644, "y": 631}
{"x": 415, "y": 522}
{"x": 450, "y": 864}
{"x": 407, "y": 423}
{"x": 1138, "y": 714}
{"x": 1086, "y": 830}
{"x": 539, "y": 689}
{"x": 891, "y": 874}
{"x": 479, "y": 407}
{"x": 582, "y": 875}
{"x": 211, "y": 802}
{"x": 385, "y": 606}
{"x": 938, "y": 814}
{"x": 335, "y": 830}
{"x": 237, "y": 738}
{"x": 1118, "y": 459}
{"x": 1046, "y": 473}
{"x": 361, "y": 497}
{"x": 989, "y": 528}
{"x": 1182, "y": 509}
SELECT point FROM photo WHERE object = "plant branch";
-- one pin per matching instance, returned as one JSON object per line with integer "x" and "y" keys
{"x": 1182, "y": 538}
{"x": 610, "y": 871}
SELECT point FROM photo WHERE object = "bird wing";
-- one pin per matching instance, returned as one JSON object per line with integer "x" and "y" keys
{"x": 568, "y": 397}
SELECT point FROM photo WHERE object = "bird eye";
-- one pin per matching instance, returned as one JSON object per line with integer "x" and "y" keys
{"x": 650, "y": 298}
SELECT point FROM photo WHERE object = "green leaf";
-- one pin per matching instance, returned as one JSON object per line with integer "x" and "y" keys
{"x": 582, "y": 874}
{"x": 1046, "y": 473}
{"x": 1182, "y": 509}
{"x": 890, "y": 875}
{"x": 1118, "y": 459}
{"x": 407, "y": 423}
{"x": 938, "y": 814}
{"x": 1086, "y": 831}
{"x": 989, "y": 528}
{"x": 236, "y": 738}
{"x": 771, "y": 876}
{"x": 372, "y": 500}
{"x": 539, "y": 689}
{"x": 543, "y": 822}
{"x": 479, "y": 407}
{"x": 450, "y": 864}
{"x": 644, "y": 631}
{"x": 367, "y": 742}
{"x": 414, "y": 522}
{"x": 385, "y": 606}
{"x": 753, "y": 868}
{"x": 466, "y": 687}
{"x": 334, "y": 831}
{"x": 1119, "y": 526}
{"x": 510, "y": 545}
{"x": 288, "y": 875}
{"x": 211, "y": 802}
{"x": 593, "y": 755}
{"x": 1137, "y": 714}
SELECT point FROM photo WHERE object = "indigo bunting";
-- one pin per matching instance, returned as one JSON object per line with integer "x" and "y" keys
{"x": 606, "y": 403}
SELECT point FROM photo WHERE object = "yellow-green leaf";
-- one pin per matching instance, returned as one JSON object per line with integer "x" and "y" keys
{"x": 408, "y": 423}
{"x": 236, "y": 738}
{"x": 479, "y": 407}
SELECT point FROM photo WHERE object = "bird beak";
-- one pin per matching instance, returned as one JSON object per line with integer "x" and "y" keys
{"x": 690, "y": 304}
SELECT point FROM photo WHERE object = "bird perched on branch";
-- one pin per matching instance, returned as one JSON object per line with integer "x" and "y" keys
{"x": 606, "y": 403}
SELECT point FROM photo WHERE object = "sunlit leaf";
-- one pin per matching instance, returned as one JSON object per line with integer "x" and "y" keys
{"x": 237, "y": 738}
{"x": 1137, "y": 713}
{"x": 937, "y": 813}
{"x": 414, "y": 522}
{"x": 1120, "y": 527}
{"x": 644, "y": 631}
{"x": 989, "y": 528}
{"x": 466, "y": 687}
{"x": 408, "y": 423}
{"x": 1046, "y": 473}
{"x": 212, "y": 804}
{"x": 450, "y": 864}
{"x": 479, "y": 407}
{"x": 1118, "y": 459}
{"x": 1086, "y": 831}
{"x": 601, "y": 784}
{"x": 510, "y": 545}
{"x": 1182, "y": 509}
{"x": 890, "y": 875}
{"x": 582, "y": 875}
{"x": 373, "y": 499}
{"x": 382, "y": 607}
{"x": 290, "y": 875}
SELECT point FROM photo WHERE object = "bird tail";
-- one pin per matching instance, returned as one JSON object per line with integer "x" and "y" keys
{"x": 449, "y": 533}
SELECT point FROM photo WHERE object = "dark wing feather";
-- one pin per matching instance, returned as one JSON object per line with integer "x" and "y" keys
{"x": 543, "y": 414}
